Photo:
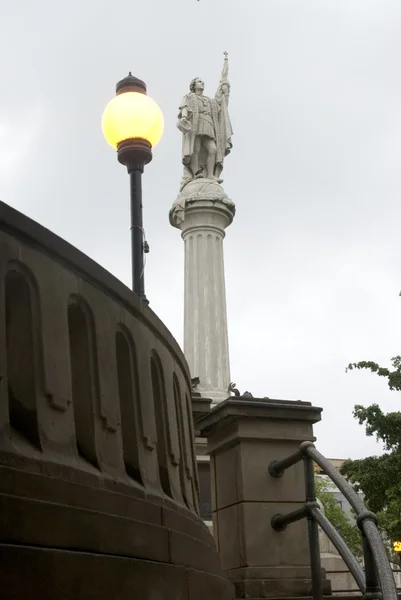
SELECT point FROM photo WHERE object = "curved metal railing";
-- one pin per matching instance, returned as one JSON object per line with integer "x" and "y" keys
{"x": 376, "y": 580}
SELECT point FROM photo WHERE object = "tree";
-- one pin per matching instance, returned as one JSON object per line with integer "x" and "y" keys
{"x": 393, "y": 377}
{"x": 346, "y": 528}
{"x": 379, "y": 477}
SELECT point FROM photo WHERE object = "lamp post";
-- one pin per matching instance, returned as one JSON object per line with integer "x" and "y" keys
{"x": 132, "y": 123}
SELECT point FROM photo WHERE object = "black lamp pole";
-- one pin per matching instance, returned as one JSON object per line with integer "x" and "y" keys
{"x": 135, "y": 153}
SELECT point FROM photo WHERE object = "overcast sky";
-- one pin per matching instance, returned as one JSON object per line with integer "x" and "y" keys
{"x": 313, "y": 258}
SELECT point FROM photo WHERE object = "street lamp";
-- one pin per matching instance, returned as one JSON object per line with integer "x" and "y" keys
{"x": 133, "y": 123}
{"x": 397, "y": 547}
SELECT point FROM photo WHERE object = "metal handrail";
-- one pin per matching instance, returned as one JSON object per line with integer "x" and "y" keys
{"x": 377, "y": 581}
{"x": 342, "y": 548}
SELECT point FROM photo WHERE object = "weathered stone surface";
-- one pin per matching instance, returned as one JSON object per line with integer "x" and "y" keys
{"x": 227, "y": 473}
{"x": 202, "y": 586}
{"x": 27, "y": 521}
{"x": 229, "y": 534}
{"x": 277, "y": 588}
{"x": 205, "y": 318}
{"x": 244, "y": 436}
{"x": 190, "y": 552}
{"x": 49, "y": 574}
{"x": 194, "y": 528}
{"x": 269, "y": 573}
{"x": 70, "y": 575}
{"x": 92, "y": 497}
{"x": 200, "y": 406}
{"x": 97, "y": 462}
{"x": 266, "y": 547}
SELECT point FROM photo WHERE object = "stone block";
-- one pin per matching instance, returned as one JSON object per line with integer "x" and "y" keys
{"x": 203, "y": 586}
{"x": 200, "y": 406}
{"x": 194, "y": 528}
{"x": 228, "y": 528}
{"x": 241, "y": 474}
{"x": 274, "y": 582}
{"x": 269, "y": 573}
{"x": 66, "y": 575}
{"x": 190, "y": 552}
{"x": 274, "y": 588}
{"x": 55, "y": 490}
{"x": 266, "y": 547}
{"x": 245, "y": 537}
{"x": 257, "y": 485}
{"x": 24, "y": 521}
{"x": 226, "y": 465}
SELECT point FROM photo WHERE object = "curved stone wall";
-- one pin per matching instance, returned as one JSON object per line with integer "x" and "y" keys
{"x": 98, "y": 479}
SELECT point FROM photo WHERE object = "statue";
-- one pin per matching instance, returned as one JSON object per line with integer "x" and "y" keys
{"x": 206, "y": 128}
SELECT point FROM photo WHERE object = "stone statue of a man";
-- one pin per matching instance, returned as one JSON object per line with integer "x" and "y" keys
{"x": 206, "y": 128}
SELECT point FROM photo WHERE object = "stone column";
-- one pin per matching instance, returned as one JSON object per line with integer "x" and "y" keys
{"x": 244, "y": 436}
{"x": 202, "y": 212}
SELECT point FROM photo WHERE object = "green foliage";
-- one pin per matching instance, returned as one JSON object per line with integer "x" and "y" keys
{"x": 393, "y": 377}
{"x": 348, "y": 530}
{"x": 379, "y": 477}
{"x": 387, "y": 427}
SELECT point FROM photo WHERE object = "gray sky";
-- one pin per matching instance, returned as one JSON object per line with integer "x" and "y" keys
{"x": 313, "y": 258}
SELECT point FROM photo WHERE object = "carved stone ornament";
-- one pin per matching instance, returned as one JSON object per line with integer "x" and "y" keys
{"x": 197, "y": 190}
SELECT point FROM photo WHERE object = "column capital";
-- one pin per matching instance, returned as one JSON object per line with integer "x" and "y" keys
{"x": 202, "y": 203}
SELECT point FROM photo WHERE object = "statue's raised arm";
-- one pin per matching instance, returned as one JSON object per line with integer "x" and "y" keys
{"x": 224, "y": 86}
{"x": 225, "y": 127}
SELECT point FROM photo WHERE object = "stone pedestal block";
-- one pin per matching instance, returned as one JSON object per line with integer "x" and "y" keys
{"x": 244, "y": 436}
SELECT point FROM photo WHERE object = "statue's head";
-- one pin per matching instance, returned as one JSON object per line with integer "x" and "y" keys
{"x": 196, "y": 85}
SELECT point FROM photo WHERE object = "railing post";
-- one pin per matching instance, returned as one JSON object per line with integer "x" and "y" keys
{"x": 313, "y": 532}
{"x": 371, "y": 582}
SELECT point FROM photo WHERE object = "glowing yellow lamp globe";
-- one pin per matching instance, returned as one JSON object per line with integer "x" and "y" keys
{"x": 397, "y": 546}
{"x": 132, "y": 115}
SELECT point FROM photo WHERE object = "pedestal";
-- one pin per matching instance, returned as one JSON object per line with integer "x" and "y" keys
{"x": 203, "y": 211}
{"x": 244, "y": 436}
